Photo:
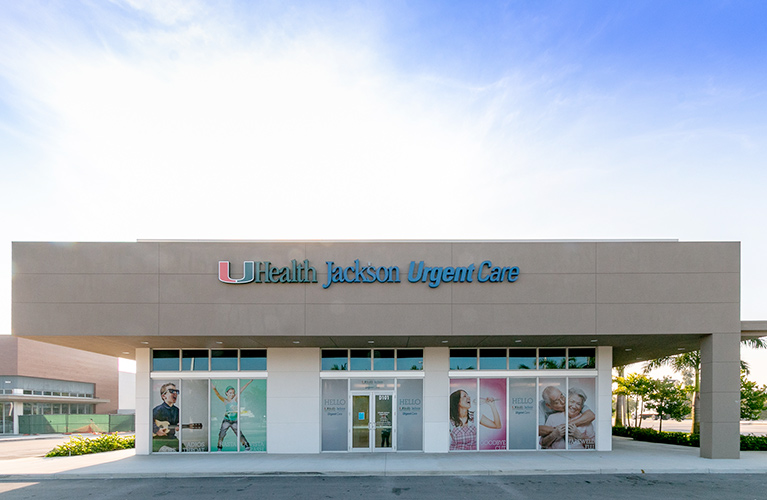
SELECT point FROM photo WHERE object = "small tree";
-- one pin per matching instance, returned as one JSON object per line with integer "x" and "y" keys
{"x": 638, "y": 386}
{"x": 753, "y": 398}
{"x": 669, "y": 399}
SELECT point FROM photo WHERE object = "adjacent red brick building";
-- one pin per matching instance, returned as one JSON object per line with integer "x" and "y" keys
{"x": 40, "y": 378}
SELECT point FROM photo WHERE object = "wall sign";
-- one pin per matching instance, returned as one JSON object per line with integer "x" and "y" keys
{"x": 417, "y": 272}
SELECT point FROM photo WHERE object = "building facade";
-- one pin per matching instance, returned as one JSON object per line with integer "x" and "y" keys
{"x": 397, "y": 346}
{"x": 38, "y": 378}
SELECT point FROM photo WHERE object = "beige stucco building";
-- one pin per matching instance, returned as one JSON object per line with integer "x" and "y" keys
{"x": 431, "y": 346}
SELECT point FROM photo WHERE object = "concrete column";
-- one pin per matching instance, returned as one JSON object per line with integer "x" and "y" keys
{"x": 293, "y": 400}
{"x": 720, "y": 396}
{"x": 604, "y": 404}
{"x": 143, "y": 406}
{"x": 436, "y": 399}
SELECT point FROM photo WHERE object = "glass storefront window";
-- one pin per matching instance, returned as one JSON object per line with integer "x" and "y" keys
{"x": 523, "y": 404}
{"x": 539, "y": 409}
{"x": 552, "y": 359}
{"x": 335, "y": 359}
{"x": 383, "y": 359}
{"x": 335, "y": 418}
{"x": 193, "y": 410}
{"x": 238, "y": 415}
{"x": 492, "y": 359}
{"x": 223, "y": 415}
{"x": 490, "y": 413}
{"x": 165, "y": 360}
{"x": 552, "y": 413}
{"x": 225, "y": 359}
{"x": 252, "y": 398}
{"x": 360, "y": 359}
{"x": 409, "y": 359}
{"x": 194, "y": 360}
{"x": 463, "y": 359}
{"x": 522, "y": 359}
{"x": 581, "y": 405}
{"x": 409, "y": 414}
{"x": 252, "y": 359}
{"x": 204, "y": 359}
{"x": 581, "y": 357}
{"x": 165, "y": 415}
{"x": 463, "y": 414}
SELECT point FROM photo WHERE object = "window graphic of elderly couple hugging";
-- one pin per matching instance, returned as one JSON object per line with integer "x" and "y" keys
{"x": 565, "y": 423}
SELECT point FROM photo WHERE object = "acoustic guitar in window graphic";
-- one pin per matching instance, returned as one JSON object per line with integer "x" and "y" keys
{"x": 165, "y": 425}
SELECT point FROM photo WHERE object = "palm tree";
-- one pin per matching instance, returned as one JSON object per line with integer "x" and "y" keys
{"x": 691, "y": 361}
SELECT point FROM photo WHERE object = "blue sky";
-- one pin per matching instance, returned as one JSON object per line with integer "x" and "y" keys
{"x": 134, "y": 119}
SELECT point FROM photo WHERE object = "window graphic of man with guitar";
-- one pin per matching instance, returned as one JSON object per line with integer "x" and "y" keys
{"x": 165, "y": 418}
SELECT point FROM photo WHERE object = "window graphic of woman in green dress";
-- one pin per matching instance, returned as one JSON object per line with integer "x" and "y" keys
{"x": 230, "y": 415}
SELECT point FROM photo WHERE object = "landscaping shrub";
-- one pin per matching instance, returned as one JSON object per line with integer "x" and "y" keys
{"x": 748, "y": 442}
{"x": 622, "y": 431}
{"x": 79, "y": 445}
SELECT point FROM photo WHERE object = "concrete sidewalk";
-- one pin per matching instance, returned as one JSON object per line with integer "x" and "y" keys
{"x": 627, "y": 457}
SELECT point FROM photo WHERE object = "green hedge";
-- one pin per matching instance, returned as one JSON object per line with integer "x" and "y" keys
{"x": 79, "y": 445}
{"x": 748, "y": 442}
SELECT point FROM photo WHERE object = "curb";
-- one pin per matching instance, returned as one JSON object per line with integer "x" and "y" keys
{"x": 532, "y": 472}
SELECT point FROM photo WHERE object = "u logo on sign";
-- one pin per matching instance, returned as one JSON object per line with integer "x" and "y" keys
{"x": 248, "y": 272}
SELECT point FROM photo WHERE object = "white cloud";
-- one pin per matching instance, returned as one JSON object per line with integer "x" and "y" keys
{"x": 168, "y": 11}
{"x": 185, "y": 121}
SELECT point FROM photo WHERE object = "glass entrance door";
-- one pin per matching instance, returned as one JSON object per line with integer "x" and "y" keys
{"x": 361, "y": 422}
{"x": 384, "y": 424}
{"x": 372, "y": 421}
{"x": 6, "y": 423}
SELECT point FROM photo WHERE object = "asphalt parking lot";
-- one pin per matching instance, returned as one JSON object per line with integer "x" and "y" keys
{"x": 539, "y": 487}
